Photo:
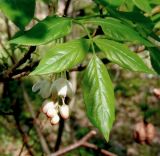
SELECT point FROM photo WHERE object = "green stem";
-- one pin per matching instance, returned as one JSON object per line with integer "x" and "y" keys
{"x": 89, "y": 36}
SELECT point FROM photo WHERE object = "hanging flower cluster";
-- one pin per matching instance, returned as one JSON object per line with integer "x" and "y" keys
{"x": 58, "y": 91}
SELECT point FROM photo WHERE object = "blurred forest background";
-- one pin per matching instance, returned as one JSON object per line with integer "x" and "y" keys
{"x": 25, "y": 130}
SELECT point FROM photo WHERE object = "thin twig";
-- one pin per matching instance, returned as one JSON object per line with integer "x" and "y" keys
{"x": 13, "y": 72}
{"x": 67, "y": 7}
{"x": 21, "y": 150}
{"x": 83, "y": 142}
{"x": 24, "y": 71}
{"x": 20, "y": 129}
{"x": 59, "y": 136}
{"x": 75, "y": 145}
{"x": 94, "y": 147}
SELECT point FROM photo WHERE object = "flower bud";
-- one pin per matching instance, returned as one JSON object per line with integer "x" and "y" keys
{"x": 64, "y": 111}
{"x": 51, "y": 113}
{"x": 47, "y": 105}
{"x": 55, "y": 120}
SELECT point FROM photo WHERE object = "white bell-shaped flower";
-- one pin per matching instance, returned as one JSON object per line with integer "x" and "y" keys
{"x": 44, "y": 88}
{"x": 47, "y": 105}
{"x": 51, "y": 112}
{"x": 62, "y": 87}
{"x": 55, "y": 119}
{"x": 64, "y": 111}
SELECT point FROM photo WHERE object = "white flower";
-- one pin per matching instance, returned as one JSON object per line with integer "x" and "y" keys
{"x": 51, "y": 112}
{"x": 64, "y": 111}
{"x": 47, "y": 105}
{"x": 44, "y": 88}
{"x": 55, "y": 120}
{"x": 62, "y": 87}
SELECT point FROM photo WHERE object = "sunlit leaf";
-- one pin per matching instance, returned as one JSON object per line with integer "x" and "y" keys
{"x": 99, "y": 96}
{"x": 117, "y": 30}
{"x": 62, "y": 57}
{"x": 121, "y": 55}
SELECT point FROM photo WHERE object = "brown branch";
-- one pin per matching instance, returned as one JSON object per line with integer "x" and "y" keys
{"x": 24, "y": 71}
{"x": 13, "y": 73}
{"x": 75, "y": 145}
{"x": 22, "y": 74}
{"x": 24, "y": 58}
{"x": 83, "y": 142}
{"x": 94, "y": 147}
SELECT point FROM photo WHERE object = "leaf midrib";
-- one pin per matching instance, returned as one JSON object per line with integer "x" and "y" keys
{"x": 66, "y": 55}
{"x": 101, "y": 90}
{"x": 139, "y": 65}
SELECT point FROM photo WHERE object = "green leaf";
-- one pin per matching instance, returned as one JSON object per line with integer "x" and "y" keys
{"x": 121, "y": 55}
{"x": 62, "y": 57}
{"x": 117, "y": 30}
{"x": 49, "y": 29}
{"x": 143, "y": 5}
{"x": 99, "y": 96}
{"x": 19, "y": 11}
{"x": 155, "y": 59}
{"x": 138, "y": 20}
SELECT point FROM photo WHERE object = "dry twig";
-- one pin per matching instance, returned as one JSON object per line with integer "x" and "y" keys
{"x": 83, "y": 143}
